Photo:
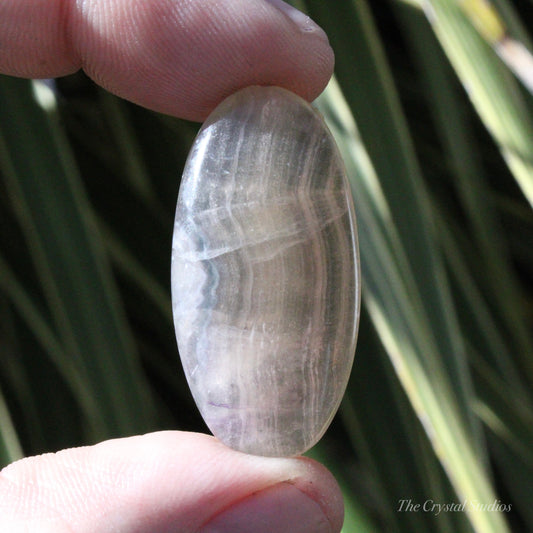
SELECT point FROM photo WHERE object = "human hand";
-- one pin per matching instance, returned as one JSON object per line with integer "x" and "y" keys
{"x": 167, "y": 481}
{"x": 180, "y": 57}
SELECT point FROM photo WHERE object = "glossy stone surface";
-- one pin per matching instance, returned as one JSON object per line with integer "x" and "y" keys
{"x": 265, "y": 280}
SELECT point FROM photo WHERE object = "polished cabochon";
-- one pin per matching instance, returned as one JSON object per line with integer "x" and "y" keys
{"x": 265, "y": 273}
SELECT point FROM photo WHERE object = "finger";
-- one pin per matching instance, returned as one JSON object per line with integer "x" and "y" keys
{"x": 179, "y": 57}
{"x": 167, "y": 481}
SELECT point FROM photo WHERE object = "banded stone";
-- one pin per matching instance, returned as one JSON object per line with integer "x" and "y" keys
{"x": 265, "y": 276}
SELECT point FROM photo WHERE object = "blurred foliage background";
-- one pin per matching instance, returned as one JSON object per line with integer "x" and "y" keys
{"x": 432, "y": 109}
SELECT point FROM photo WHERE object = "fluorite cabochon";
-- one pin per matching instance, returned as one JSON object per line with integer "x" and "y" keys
{"x": 265, "y": 273}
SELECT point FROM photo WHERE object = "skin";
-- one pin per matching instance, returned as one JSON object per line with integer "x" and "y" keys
{"x": 160, "y": 482}
{"x": 179, "y": 57}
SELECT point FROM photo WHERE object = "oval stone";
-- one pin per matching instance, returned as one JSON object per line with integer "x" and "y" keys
{"x": 265, "y": 276}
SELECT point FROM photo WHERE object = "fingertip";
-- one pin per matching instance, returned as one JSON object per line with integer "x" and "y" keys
{"x": 322, "y": 487}
{"x": 183, "y": 58}
{"x": 177, "y": 57}
{"x": 167, "y": 481}
{"x": 220, "y": 486}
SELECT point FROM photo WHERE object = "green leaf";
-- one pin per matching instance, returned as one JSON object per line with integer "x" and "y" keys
{"x": 10, "y": 449}
{"x": 390, "y": 297}
{"x": 494, "y": 92}
{"x": 69, "y": 257}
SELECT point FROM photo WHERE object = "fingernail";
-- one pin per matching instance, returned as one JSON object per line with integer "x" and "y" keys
{"x": 304, "y": 22}
{"x": 281, "y": 508}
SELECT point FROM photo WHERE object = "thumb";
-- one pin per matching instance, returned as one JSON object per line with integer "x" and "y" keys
{"x": 167, "y": 481}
